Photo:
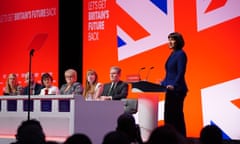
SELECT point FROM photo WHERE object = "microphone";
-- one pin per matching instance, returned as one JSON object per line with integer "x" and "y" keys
{"x": 140, "y": 71}
{"x": 32, "y": 52}
{"x": 148, "y": 72}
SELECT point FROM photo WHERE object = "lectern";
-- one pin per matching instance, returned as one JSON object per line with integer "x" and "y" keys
{"x": 147, "y": 105}
{"x": 145, "y": 86}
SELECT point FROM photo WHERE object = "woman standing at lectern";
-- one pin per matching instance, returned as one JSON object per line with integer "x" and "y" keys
{"x": 174, "y": 81}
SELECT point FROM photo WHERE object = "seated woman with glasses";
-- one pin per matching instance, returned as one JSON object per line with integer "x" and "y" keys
{"x": 71, "y": 86}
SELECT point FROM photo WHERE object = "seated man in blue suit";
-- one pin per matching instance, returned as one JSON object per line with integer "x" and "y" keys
{"x": 116, "y": 89}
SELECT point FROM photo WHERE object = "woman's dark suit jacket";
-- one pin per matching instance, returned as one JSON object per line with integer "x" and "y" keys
{"x": 175, "y": 70}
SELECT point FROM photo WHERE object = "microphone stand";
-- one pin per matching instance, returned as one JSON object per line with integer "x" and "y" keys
{"x": 29, "y": 82}
{"x": 146, "y": 79}
{"x": 139, "y": 73}
{"x": 36, "y": 44}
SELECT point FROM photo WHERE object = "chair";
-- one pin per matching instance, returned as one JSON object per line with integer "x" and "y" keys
{"x": 130, "y": 105}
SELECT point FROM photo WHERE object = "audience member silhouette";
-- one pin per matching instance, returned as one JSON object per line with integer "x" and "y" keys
{"x": 165, "y": 134}
{"x": 51, "y": 142}
{"x": 78, "y": 138}
{"x": 211, "y": 134}
{"x": 115, "y": 137}
{"x": 126, "y": 124}
{"x": 30, "y": 132}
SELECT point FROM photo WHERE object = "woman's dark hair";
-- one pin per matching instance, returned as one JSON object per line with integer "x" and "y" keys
{"x": 178, "y": 38}
{"x": 46, "y": 75}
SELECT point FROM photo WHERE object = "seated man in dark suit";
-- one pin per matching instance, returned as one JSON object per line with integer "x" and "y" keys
{"x": 35, "y": 87}
{"x": 116, "y": 89}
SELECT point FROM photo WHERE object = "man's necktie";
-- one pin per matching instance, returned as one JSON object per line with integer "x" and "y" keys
{"x": 110, "y": 92}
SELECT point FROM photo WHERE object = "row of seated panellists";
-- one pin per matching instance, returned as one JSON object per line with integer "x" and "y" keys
{"x": 11, "y": 105}
{"x": 21, "y": 79}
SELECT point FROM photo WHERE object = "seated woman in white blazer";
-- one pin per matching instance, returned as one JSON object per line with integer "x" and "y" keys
{"x": 48, "y": 87}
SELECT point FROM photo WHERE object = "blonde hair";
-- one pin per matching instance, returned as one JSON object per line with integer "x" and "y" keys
{"x": 72, "y": 72}
{"x": 8, "y": 88}
{"x": 88, "y": 87}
